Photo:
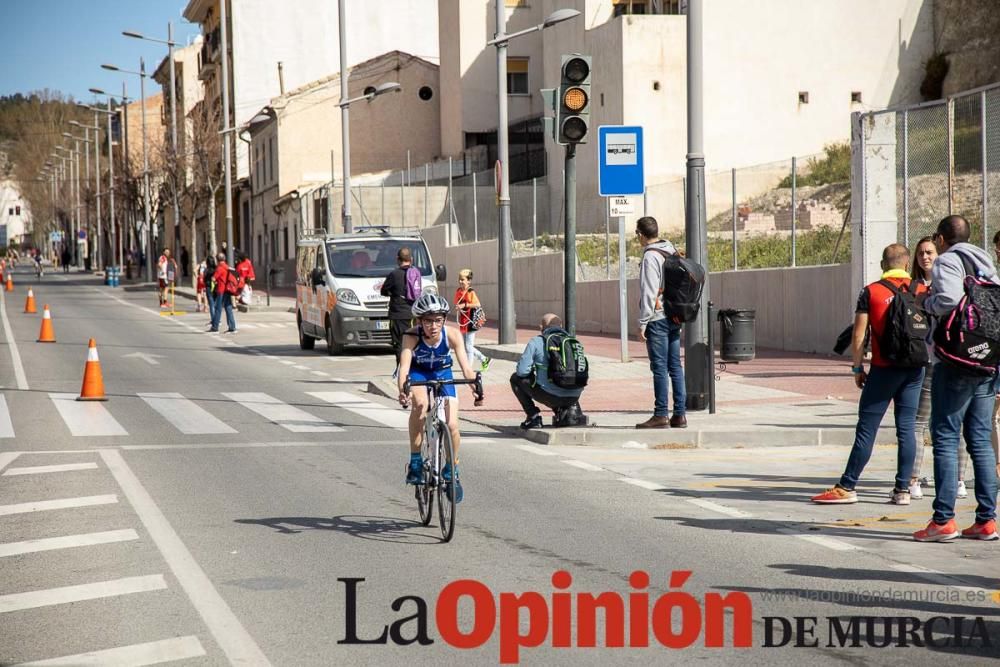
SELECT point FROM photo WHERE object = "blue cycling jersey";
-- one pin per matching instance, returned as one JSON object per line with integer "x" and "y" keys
{"x": 432, "y": 359}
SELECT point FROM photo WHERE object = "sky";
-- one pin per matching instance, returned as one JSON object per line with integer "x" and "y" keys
{"x": 61, "y": 44}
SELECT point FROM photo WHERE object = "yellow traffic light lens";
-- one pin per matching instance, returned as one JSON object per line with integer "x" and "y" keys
{"x": 575, "y": 99}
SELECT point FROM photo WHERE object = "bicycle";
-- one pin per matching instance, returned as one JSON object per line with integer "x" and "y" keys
{"x": 436, "y": 450}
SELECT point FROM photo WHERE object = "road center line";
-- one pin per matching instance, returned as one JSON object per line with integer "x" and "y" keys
{"x": 232, "y": 637}
{"x": 15, "y": 356}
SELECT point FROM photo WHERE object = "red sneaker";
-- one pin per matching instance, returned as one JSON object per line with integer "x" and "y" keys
{"x": 937, "y": 533}
{"x": 836, "y": 496}
{"x": 982, "y": 531}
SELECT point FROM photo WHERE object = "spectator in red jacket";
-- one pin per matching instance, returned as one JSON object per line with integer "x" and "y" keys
{"x": 225, "y": 287}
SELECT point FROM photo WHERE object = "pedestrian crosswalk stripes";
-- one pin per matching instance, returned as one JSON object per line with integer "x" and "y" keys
{"x": 94, "y": 591}
{"x": 6, "y": 427}
{"x": 381, "y": 414}
{"x": 287, "y": 416}
{"x": 66, "y": 542}
{"x": 58, "y": 504}
{"x": 148, "y": 653}
{"x": 39, "y": 470}
{"x": 186, "y": 416}
{"x": 86, "y": 418}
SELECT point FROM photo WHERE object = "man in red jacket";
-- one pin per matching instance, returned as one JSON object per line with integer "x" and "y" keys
{"x": 225, "y": 283}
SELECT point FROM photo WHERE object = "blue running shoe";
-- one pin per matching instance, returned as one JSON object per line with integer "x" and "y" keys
{"x": 446, "y": 475}
{"x": 415, "y": 471}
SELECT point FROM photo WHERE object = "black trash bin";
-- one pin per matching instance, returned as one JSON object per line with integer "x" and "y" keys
{"x": 738, "y": 335}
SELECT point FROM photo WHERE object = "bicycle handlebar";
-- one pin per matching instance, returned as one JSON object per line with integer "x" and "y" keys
{"x": 478, "y": 384}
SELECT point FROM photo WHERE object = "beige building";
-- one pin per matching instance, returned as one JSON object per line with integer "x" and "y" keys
{"x": 295, "y": 146}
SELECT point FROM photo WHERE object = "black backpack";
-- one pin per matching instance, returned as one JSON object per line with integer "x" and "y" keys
{"x": 681, "y": 282}
{"x": 969, "y": 336}
{"x": 568, "y": 367}
{"x": 903, "y": 340}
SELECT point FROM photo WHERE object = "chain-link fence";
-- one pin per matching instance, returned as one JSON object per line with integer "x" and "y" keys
{"x": 923, "y": 162}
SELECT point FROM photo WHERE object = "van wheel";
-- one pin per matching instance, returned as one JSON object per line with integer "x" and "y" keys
{"x": 305, "y": 342}
{"x": 332, "y": 347}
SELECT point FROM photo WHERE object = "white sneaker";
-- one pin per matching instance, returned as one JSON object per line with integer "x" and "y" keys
{"x": 962, "y": 491}
{"x": 900, "y": 498}
{"x": 915, "y": 491}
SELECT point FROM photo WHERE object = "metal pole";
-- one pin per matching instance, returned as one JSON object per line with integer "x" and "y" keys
{"x": 534, "y": 216}
{"x": 111, "y": 188}
{"x": 622, "y": 291}
{"x": 644, "y": 191}
{"x": 982, "y": 146}
{"x": 794, "y": 211}
{"x": 449, "y": 201}
{"x": 950, "y": 108}
{"x": 86, "y": 209}
{"x": 695, "y": 345}
{"x": 736, "y": 254}
{"x": 427, "y": 190}
{"x": 173, "y": 142}
{"x": 409, "y": 176}
{"x": 569, "y": 244}
{"x": 711, "y": 359}
{"x": 345, "y": 121}
{"x": 507, "y": 333}
{"x": 906, "y": 179}
{"x": 607, "y": 242}
{"x": 402, "y": 201}
{"x": 145, "y": 176}
{"x": 475, "y": 209}
{"x": 383, "y": 203}
{"x": 75, "y": 171}
{"x": 97, "y": 188}
{"x": 329, "y": 195}
{"x": 127, "y": 212}
{"x": 227, "y": 137}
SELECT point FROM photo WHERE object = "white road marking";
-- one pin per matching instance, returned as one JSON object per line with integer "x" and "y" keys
{"x": 231, "y": 636}
{"x": 59, "y": 504}
{"x": 67, "y": 542}
{"x": 6, "y": 458}
{"x": 6, "y": 426}
{"x": 272, "y": 357}
{"x": 537, "y": 451}
{"x": 261, "y": 445}
{"x": 286, "y": 362}
{"x": 393, "y": 417}
{"x": 320, "y": 373}
{"x": 287, "y": 416}
{"x": 247, "y": 325}
{"x": 583, "y": 465}
{"x": 86, "y": 418}
{"x": 185, "y": 415}
{"x": 642, "y": 484}
{"x": 936, "y": 577}
{"x": 716, "y": 507}
{"x": 822, "y": 541}
{"x": 15, "y": 356}
{"x": 150, "y": 653}
{"x": 94, "y": 591}
{"x": 38, "y": 470}
{"x": 299, "y": 367}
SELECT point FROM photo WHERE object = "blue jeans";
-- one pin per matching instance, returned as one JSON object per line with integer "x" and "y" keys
{"x": 223, "y": 301}
{"x": 963, "y": 403}
{"x": 210, "y": 295}
{"x": 902, "y": 387}
{"x": 663, "y": 345}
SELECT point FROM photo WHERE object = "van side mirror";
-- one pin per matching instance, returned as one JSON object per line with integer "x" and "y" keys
{"x": 440, "y": 272}
{"x": 317, "y": 277}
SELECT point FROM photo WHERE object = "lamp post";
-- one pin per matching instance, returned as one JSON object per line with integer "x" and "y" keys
{"x": 344, "y": 105}
{"x": 115, "y": 241}
{"x": 70, "y": 178}
{"x": 508, "y": 321}
{"x": 97, "y": 181}
{"x": 169, "y": 41}
{"x": 86, "y": 140}
{"x": 81, "y": 208}
{"x": 147, "y": 227}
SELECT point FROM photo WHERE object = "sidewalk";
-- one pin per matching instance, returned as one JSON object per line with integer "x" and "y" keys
{"x": 282, "y": 299}
{"x": 779, "y": 398}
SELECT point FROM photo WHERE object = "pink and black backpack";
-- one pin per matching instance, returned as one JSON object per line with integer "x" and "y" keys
{"x": 969, "y": 336}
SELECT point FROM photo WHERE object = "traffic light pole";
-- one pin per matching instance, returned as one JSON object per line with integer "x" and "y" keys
{"x": 507, "y": 332}
{"x": 569, "y": 245}
{"x": 698, "y": 366}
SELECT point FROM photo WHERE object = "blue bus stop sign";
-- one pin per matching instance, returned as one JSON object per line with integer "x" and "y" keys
{"x": 620, "y": 170}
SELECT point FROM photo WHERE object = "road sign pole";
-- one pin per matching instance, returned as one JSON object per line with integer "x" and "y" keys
{"x": 622, "y": 290}
{"x": 569, "y": 244}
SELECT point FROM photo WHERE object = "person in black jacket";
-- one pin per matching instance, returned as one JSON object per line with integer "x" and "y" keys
{"x": 400, "y": 308}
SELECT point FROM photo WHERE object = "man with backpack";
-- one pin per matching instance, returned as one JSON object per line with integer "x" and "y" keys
{"x": 662, "y": 334}
{"x": 226, "y": 287}
{"x": 552, "y": 370}
{"x": 403, "y": 286}
{"x": 965, "y": 299}
{"x": 889, "y": 308}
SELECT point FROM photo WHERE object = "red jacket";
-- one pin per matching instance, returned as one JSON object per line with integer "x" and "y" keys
{"x": 220, "y": 276}
{"x": 245, "y": 269}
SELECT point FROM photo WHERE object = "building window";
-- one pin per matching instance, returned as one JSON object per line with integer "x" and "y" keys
{"x": 803, "y": 97}
{"x": 17, "y": 209}
{"x": 284, "y": 237}
{"x": 856, "y": 97}
{"x": 515, "y": 3}
{"x": 270, "y": 160}
{"x": 630, "y": 7}
{"x": 517, "y": 76}
{"x": 10, "y": 211}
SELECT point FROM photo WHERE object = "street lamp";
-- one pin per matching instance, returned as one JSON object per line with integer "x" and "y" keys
{"x": 75, "y": 198}
{"x": 345, "y": 104}
{"x": 88, "y": 240}
{"x": 147, "y": 228}
{"x": 500, "y": 40}
{"x": 97, "y": 179}
{"x": 111, "y": 177}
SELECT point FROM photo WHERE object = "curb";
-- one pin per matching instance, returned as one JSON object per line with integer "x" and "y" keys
{"x": 689, "y": 438}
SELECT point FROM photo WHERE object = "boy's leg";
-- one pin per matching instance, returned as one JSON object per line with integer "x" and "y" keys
{"x": 875, "y": 397}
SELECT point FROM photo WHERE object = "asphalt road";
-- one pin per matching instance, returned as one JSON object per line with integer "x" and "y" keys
{"x": 221, "y": 506}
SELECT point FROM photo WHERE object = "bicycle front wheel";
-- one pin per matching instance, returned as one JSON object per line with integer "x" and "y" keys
{"x": 425, "y": 492}
{"x": 446, "y": 490}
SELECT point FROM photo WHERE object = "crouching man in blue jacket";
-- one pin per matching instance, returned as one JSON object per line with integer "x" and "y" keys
{"x": 530, "y": 382}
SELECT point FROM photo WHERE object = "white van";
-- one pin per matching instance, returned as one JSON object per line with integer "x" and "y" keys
{"x": 338, "y": 278}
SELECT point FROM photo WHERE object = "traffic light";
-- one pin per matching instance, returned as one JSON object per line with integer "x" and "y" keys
{"x": 573, "y": 105}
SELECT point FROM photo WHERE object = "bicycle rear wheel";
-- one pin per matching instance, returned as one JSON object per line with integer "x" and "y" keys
{"x": 446, "y": 490}
{"x": 424, "y": 492}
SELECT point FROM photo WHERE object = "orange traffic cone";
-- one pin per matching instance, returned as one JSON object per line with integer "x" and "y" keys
{"x": 10, "y": 282}
{"x": 29, "y": 304}
{"x": 93, "y": 381}
{"x": 47, "y": 334}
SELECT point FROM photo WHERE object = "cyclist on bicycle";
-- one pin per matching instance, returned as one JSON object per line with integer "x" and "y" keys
{"x": 427, "y": 355}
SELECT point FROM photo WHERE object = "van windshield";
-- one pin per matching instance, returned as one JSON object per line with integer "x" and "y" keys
{"x": 374, "y": 258}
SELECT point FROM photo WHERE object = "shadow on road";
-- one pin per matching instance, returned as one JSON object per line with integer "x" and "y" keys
{"x": 381, "y": 529}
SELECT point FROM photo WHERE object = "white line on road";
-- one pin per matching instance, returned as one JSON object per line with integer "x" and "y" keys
{"x": 185, "y": 415}
{"x": 716, "y": 507}
{"x": 39, "y": 470}
{"x": 320, "y": 373}
{"x": 6, "y": 458}
{"x": 86, "y": 418}
{"x": 642, "y": 484}
{"x": 287, "y": 416}
{"x": 286, "y": 362}
{"x": 150, "y": 653}
{"x": 6, "y": 426}
{"x": 385, "y": 415}
{"x": 583, "y": 465}
{"x": 94, "y": 591}
{"x": 822, "y": 541}
{"x": 537, "y": 451}
{"x": 59, "y": 504}
{"x": 300, "y": 367}
{"x": 15, "y": 356}
{"x": 231, "y": 636}
{"x": 262, "y": 445}
{"x": 937, "y": 577}
{"x": 67, "y": 542}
